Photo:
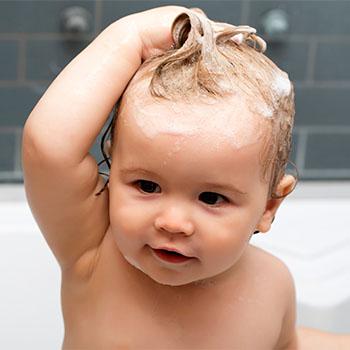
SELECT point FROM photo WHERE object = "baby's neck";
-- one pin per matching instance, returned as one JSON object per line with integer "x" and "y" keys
{"x": 190, "y": 292}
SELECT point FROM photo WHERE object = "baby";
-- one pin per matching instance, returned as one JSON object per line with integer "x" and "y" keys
{"x": 160, "y": 257}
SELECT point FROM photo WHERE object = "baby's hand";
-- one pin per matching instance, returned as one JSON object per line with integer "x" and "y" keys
{"x": 154, "y": 28}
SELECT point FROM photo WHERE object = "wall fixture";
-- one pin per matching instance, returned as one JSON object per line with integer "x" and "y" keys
{"x": 75, "y": 20}
{"x": 275, "y": 24}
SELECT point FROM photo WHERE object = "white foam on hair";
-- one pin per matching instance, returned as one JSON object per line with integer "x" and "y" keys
{"x": 264, "y": 110}
{"x": 281, "y": 84}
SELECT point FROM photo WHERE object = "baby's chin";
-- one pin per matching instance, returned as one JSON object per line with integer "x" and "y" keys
{"x": 194, "y": 282}
{"x": 170, "y": 283}
{"x": 167, "y": 278}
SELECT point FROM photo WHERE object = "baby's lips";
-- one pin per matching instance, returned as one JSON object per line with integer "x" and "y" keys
{"x": 171, "y": 256}
{"x": 173, "y": 250}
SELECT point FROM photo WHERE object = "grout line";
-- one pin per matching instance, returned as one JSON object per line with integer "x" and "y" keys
{"x": 310, "y": 65}
{"x": 245, "y": 11}
{"x": 309, "y": 38}
{"x": 18, "y": 150}
{"x": 322, "y": 84}
{"x": 46, "y": 36}
{"x": 301, "y": 150}
{"x": 323, "y": 129}
{"x": 22, "y": 60}
{"x": 330, "y": 173}
{"x": 8, "y": 129}
{"x": 322, "y": 37}
{"x": 98, "y": 17}
{"x": 32, "y": 83}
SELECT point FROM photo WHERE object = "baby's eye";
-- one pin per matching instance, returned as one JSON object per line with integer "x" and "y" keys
{"x": 148, "y": 186}
{"x": 211, "y": 198}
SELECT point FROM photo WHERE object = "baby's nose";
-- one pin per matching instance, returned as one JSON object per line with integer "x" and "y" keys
{"x": 174, "y": 220}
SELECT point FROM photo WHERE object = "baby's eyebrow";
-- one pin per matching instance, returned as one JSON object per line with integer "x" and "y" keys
{"x": 225, "y": 187}
{"x": 133, "y": 171}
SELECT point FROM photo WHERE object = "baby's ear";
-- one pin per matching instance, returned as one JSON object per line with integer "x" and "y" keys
{"x": 284, "y": 187}
{"x": 108, "y": 145}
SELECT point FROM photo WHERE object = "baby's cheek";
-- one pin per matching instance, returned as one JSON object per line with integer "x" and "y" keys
{"x": 128, "y": 224}
{"x": 226, "y": 235}
{"x": 122, "y": 219}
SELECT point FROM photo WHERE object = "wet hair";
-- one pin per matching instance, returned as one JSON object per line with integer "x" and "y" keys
{"x": 217, "y": 60}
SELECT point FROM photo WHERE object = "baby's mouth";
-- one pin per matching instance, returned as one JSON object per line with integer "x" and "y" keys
{"x": 170, "y": 256}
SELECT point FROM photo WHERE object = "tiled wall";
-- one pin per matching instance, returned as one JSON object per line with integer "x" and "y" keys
{"x": 316, "y": 53}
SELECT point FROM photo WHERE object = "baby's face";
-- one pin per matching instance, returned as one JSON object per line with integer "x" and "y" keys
{"x": 185, "y": 187}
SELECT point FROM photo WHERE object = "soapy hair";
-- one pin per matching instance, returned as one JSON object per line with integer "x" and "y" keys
{"x": 217, "y": 60}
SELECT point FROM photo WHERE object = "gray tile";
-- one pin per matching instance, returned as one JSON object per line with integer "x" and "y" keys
{"x": 221, "y": 11}
{"x": 328, "y": 151}
{"x": 322, "y": 106}
{"x": 294, "y": 147}
{"x": 96, "y": 150}
{"x": 8, "y": 59}
{"x": 7, "y": 150}
{"x": 290, "y": 57}
{"x": 46, "y": 58}
{"x": 18, "y": 150}
{"x": 16, "y": 104}
{"x": 290, "y": 169}
{"x": 37, "y": 16}
{"x": 307, "y": 17}
{"x": 96, "y": 147}
{"x": 332, "y": 61}
{"x": 224, "y": 11}
{"x": 97, "y": 154}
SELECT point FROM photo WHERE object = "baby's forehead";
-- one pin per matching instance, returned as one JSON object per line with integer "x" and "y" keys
{"x": 220, "y": 119}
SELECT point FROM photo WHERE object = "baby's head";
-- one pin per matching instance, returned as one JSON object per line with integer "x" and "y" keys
{"x": 218, "y": 65}
{"x": 200, "y": 144}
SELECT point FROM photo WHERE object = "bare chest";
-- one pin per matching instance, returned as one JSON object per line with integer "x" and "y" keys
{"x": 117, "y": 310}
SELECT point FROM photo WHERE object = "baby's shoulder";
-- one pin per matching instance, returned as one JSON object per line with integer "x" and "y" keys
{"x": 271, "y": 270}
{"x": 267, "y": 289}
{"x": 264, "y": 259}
{"x": 278, "y": 290}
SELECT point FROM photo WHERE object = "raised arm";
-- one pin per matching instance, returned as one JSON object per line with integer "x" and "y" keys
{"x": 60, "y": 175}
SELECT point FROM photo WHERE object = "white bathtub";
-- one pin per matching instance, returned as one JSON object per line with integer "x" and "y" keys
{"x": 311, "y": 234}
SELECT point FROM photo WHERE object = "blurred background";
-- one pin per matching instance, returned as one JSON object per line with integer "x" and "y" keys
{"x": 308, "y": 39}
